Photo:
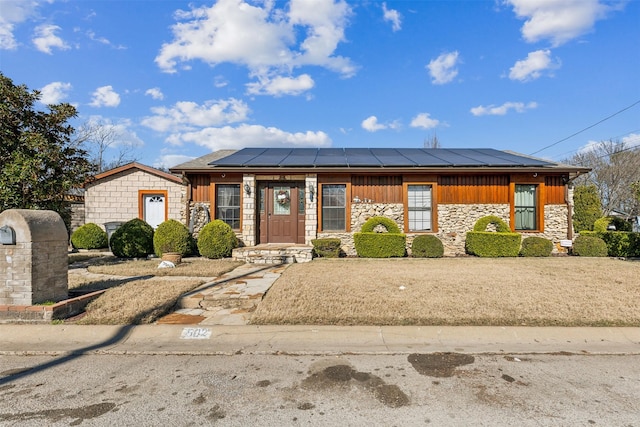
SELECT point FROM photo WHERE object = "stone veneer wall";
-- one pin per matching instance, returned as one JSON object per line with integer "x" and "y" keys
{"x": 311, "y": 209}
{"x": 248, "y": 237}
{"x": 115, "y": 198}
{"x": 454, "y": 220}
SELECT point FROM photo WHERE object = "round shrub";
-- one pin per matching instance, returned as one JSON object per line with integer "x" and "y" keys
{"x": 133, "y": 239}
{"x": 171, "y": 236}
{"x": 483, "y": 223}
{"x": 89, "y": 236}
{"x": 589, "y": 246}
{"x": 536, "y": 246}
{"x": 427, "y": 246}
{"x": 375, "y": 221}
{"x": 216, "y": 240}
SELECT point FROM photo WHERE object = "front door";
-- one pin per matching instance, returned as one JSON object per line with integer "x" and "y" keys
{"x": 281, "y": 212}
{"x": 154, "y": 209}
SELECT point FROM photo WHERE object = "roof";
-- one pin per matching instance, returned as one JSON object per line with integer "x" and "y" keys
{"x": 139, "y": 166}
{"x": 371, "y": 159}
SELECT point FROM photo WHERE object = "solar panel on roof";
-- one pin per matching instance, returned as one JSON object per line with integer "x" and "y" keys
{"x": 301, "y": 157}
{"x": 331, "y": 157}
{"x": 271, "y": 157}
{"x": 361, "y": 157}
{"x": 239, "y": 158}
{"x": 392, "y": 157}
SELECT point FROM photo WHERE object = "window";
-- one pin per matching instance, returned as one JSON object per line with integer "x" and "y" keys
{"x": 525, "y": 207}
{"x": 228, "y": 204}
{"x": 334, "y": 210}
{"x": 419, "y": 207}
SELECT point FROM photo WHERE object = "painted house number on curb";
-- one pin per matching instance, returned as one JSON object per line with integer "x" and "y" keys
{"x": 196, "y": 334}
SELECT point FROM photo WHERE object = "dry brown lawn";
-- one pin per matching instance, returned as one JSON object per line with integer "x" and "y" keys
{"x": 557, "y": 291}
{"x": 191, "y": 267}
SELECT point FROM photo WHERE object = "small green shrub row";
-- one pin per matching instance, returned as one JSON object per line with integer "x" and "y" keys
{"x": 490, "y": 244}
{"x": 89, "y": 236}
{"x": 589, "y": 245}
{"x": 326, "y": 248}
{"x": 535, "y": 246}
{"x": 427, "y": 246}
{"x": 216, "y": 240}
{"x": 380, "y": 245}
{"x": 618, "y": 243}
{"x": 601, "y": 225}
{"x": 133, "y": 239}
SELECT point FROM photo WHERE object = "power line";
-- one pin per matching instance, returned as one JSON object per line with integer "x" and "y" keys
{"x": 588, "y": 127}
{"x": 632, "y": 140}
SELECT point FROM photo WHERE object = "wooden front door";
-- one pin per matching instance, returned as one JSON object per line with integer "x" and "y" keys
{"x": 281, "y": 210}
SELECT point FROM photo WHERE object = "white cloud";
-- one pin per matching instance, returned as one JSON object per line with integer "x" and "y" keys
{"x": 371, "y": 124}
{"x": 392, "y": 16}
{"x": 260, "y": 36}
{"x": 443, "y": 68}
{"x": 227, "y": 137}
{"x": 532, "y": 67}
{"x": 279, "y": 86}
{"x": 105, "y": 96}
{"x": 155, "y": 93}
{"x": 54, "y": 92}
{"x": 558, "y": 20}
{"x": 13, "y": 13}
{"x": 187, "y": 116}
{"x": 424, "y": 121}
{"x": 45, "y": 38}
{"x": 120, "y": 132}
{"x": 501, "y": 110}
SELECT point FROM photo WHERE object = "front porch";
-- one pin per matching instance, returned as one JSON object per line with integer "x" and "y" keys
{"x": 273, "y": 253}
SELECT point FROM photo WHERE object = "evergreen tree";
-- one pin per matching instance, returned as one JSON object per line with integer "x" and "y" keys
{"x": 586, "y": 207}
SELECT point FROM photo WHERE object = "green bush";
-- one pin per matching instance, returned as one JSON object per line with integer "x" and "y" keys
{"x": 217, "y": 240}
{"x": 586, "y": 207}
{"x": 427, "y": 246}
{"x": 380, "y": 245}
{"x": 601, "y": 224}
{"x": 483, "y": 223}
{"x": 326, "y": 248}
{"x": 490, "y": 244}
{"x": 621, "y": 224}
{"x": 619, "y": 243}
{"x": 171, "y": 236}
{"x": 589, "y": 246}
{"x": 535, "y": 246}
{"x": 89, "y": 236}
{"x": 387, "y": 223}
{"x": 133, "y": 239}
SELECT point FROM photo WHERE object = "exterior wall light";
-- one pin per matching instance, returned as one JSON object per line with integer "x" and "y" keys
{"x": 312, "y": 191}
{"x": 247, "y": 188}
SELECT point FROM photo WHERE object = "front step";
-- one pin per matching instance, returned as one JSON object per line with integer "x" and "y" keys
{"x": 273, "y": 254}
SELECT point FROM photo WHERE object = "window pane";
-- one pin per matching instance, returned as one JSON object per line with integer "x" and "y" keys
{"x": 228, "y": 204}
{"x": 419, "y": 207}
{"x": 525, "y": 207}
{"x": 334, "y": 207}
{"x": 282, "y": 200}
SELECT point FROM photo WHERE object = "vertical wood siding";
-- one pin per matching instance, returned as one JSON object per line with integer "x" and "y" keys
{"x": 200, "y": 188}
{"x": 554, "y": 187}
{"x": 461, "y": 189}
{"x": 379, "y": 189}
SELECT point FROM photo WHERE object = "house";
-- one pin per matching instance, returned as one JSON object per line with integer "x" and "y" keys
{"x": 134, "y": 191}
{"x": 294, "y": 195}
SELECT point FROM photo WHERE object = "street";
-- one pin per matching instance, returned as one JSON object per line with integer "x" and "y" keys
{"x": 347, "y": 390}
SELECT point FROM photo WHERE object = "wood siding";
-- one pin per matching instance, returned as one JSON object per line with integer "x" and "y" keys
{"x": 466, "y": 189}
{"x": 200, "y": 187}
{"x": 555, "y": 190}
{"x": 378, "y": 189}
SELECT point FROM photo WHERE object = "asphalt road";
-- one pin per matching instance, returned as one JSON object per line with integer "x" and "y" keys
{"x": 440, "y": 389}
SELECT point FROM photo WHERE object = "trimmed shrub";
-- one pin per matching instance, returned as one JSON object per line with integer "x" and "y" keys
{"x": 601, "y": 224}
{"x": 535, "y": 246}
{"x": 427, "y": 246}
{"x": 490, "y": 244}
{"x": 133, "y": 239}
{"x": 387, "y": 223}
{"x": 171, "y": 236}
{"x": 89, "y": 236}
{"x": 326, "y": 248}
{"x": 586, "y": 207}
{"x": 217, "y": 240}
{"x": 483, "y": 223}
{"x": 621, "y": 224}
{"x": 380, "y": 245}
{"x": 589, "y": 246}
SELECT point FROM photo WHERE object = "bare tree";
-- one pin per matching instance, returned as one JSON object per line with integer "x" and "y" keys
{"x": 615, "y": 168}
{"x": 105, "y": 144}
{"x": 432, "y": 141}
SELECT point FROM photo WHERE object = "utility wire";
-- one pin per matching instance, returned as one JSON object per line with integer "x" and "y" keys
{"x": 587, "y": 128}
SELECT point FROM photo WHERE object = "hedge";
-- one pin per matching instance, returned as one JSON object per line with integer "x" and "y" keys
{"x": 490, "y": 244}
{"x": 535, "y": 246}
{"x": 326, "y": 248}
{"x": 618, "y": 243}
{"x": 589, "y": 246}
{"x": 375, "y": 221}
{"x": 427, "y": 246}
{"x": 380, "y": 245}
{"x": 483, "y": 223}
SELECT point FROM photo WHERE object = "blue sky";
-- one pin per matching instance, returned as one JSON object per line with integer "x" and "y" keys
{"x": 181, "y": 79}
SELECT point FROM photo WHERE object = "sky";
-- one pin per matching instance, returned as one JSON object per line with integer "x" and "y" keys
{"x": 176, "y": 80}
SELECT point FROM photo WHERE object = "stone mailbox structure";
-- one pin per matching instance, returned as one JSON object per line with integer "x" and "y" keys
{"x": 33, "y": 257}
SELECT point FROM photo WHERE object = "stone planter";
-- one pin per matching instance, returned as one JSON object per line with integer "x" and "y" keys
{"x": 174, "y": 257}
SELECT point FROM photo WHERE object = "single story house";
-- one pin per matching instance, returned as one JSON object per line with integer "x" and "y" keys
{"x": 294, "y": 195}
{"x": 134, "y": 191}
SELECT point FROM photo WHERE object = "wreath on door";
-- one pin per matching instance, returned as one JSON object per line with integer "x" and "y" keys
{"x": 283, "y": 198}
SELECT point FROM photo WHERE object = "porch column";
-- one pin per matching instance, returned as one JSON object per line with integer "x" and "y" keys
{"x": 248, "y": 209}
{"x": 311, "y": 208}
